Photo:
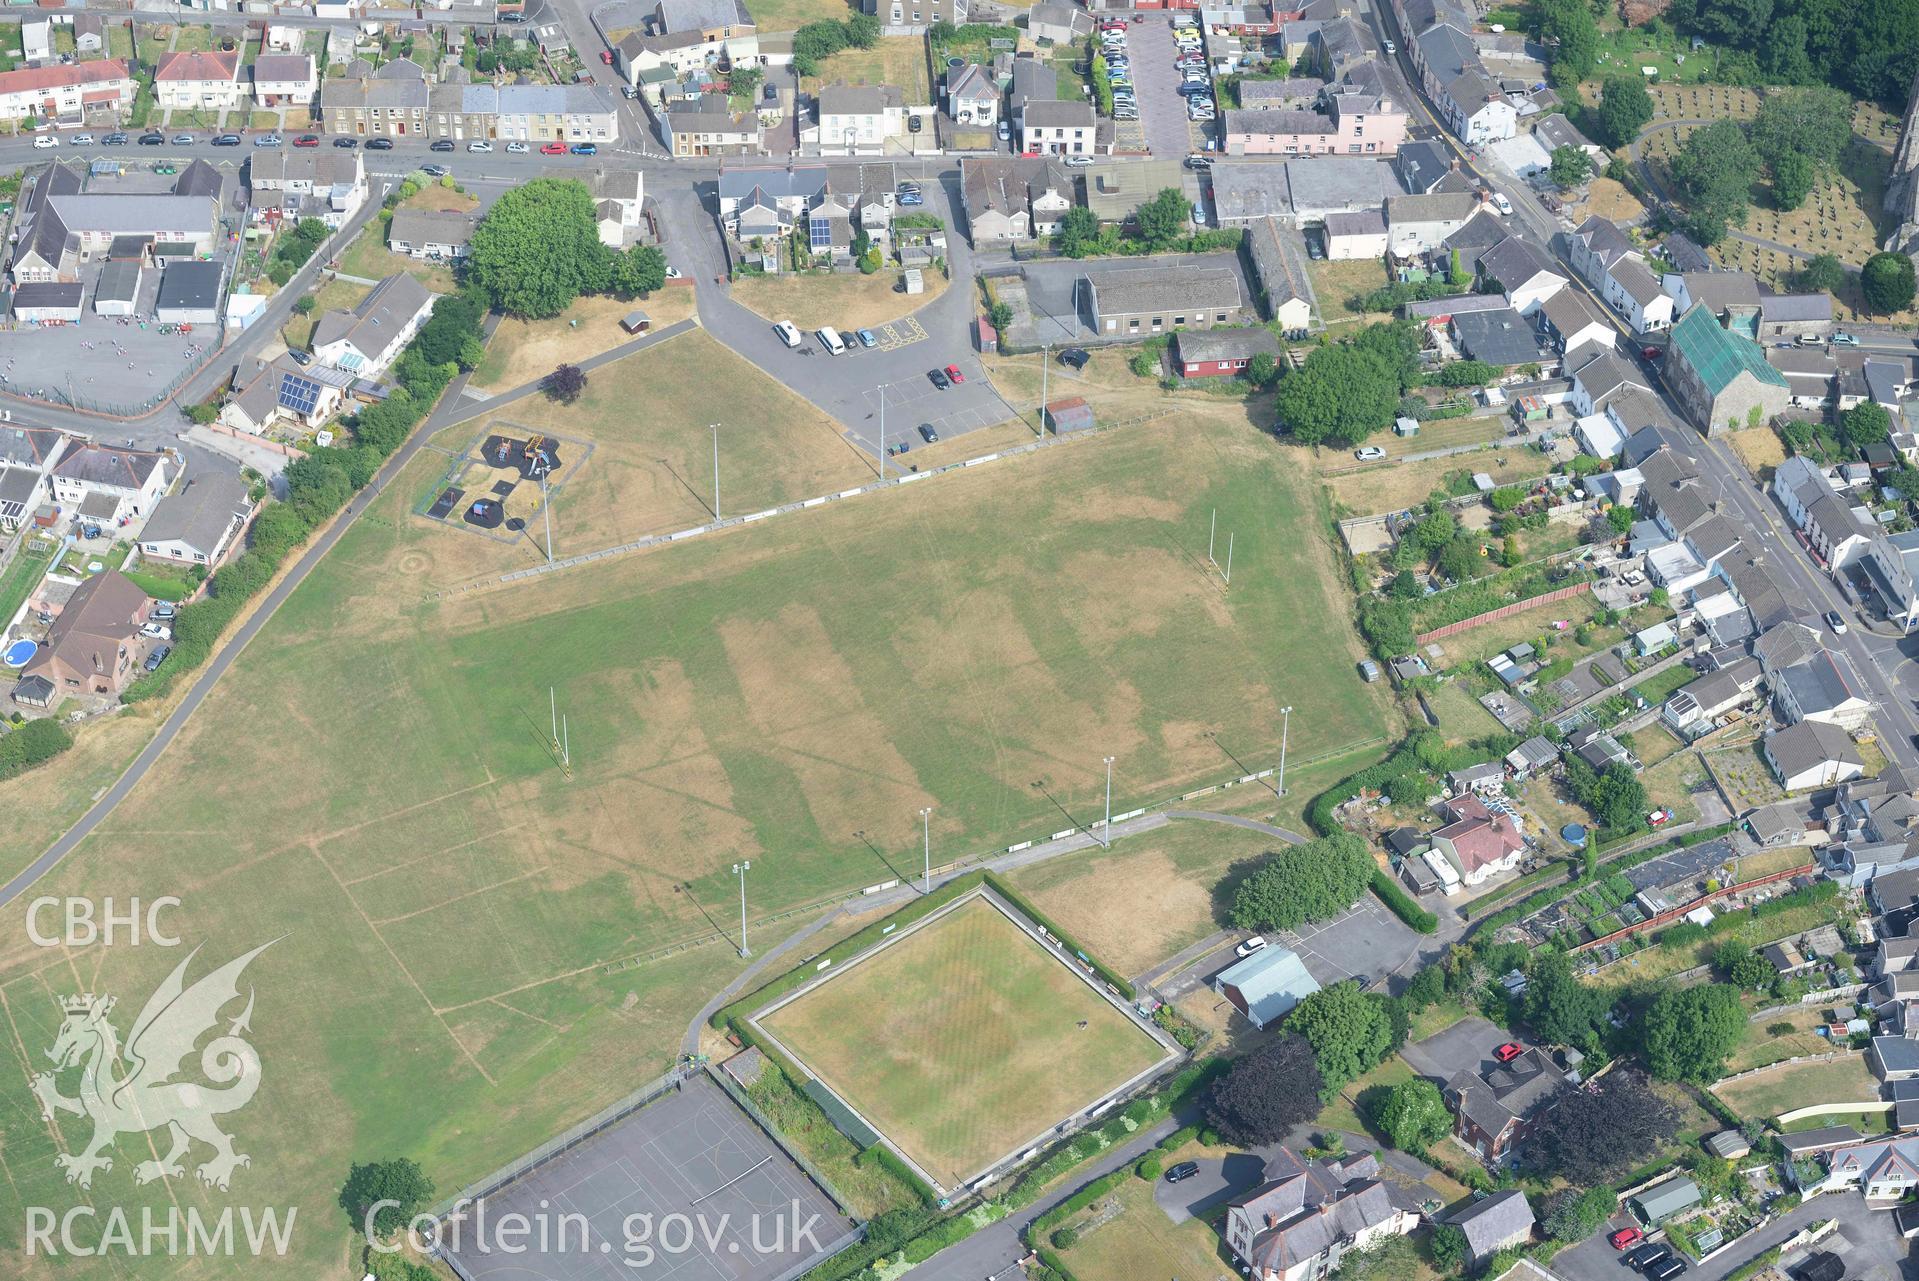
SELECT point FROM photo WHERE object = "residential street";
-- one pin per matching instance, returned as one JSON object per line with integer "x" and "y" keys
{"x": 1866, "y": 1241}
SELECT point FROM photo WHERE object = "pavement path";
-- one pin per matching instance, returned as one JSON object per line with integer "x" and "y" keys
{"x": 476, "y": 404}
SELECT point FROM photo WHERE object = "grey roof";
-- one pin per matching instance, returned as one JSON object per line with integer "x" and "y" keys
{"x": 1277, "y": 120}
{"x": 282, "y": 66}
{"x": 701, "y": 15}
{"x": 93, "y": 464}
{"x": 1808, "y": 745}
{"x": 556, "y": 100}
{"x": 321, "y": 166}
{"x": 804, "y": 180}
{"x": 1225, "y": 344}
{"x": 400, "y": 69}
{"x": 1291, "y": 89}
{"x": 1059, "y": 115}
{"x": 190, "y": 285}
{"x": 1457, "y": 305}
{"x": 1823, "y": 682}
{"x": 1448, "y": 51}
{"x": 1669, "y": 1198}
{"x": 1604, "y": 238}
{"x": 393, "y": 302}
{"x": 1338, "y": 182}
{"x": 1438, "y": 206}
{"x": 1421, "y": 164}
{"x": 1636, "y": 278}
{"x": 427, "y": 226}
{"x": 376, "y": 95}
{"x": 1806, "y": 1142}
{"x": 1569, "y": 311}
{"x": 1482, "y": 231}
{"x": 1896, "y": 1053}
{"x": 1366, "y": 222}
{"x": 119, "y": 282}
{"x": 1033, "y": 81}
{"x": 1722, "y": 290}
{"x": 44, "y": 294}
{"x": 1279, "y": 262}
{"x": 200, "y": 514}
{"x": 29, "y": 446}
{"x": 1497, "y": 337}
{"x": 1144, "y": 290}
{"x": 199, "y": 179}
{"x": 863, "y": 100}
{"x": 1796, "y": 307}
{"x": 1513, "y": 262}
{"x": 121, "y": 213}
{"x": 1496, "y": 1222}
{"x": 1555, "y": 131}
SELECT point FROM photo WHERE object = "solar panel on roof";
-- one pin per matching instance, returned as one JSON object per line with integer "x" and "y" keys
{"x": 299, "y": 394}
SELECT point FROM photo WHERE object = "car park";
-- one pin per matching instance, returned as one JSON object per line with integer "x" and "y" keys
{"x": 346, "y": 143}
{"x": 441, "y": 144}
{"x": 114, "y": 140}
{"x": 267, "y": 140}
{"x": 516, "y": 148}
{"x": 379, "y": 144}
{"x": 1371, "y": 453}
{"x": 307, "y": 140}
{"x": 152, "y": 139}
{"x": 586, "y": 149}
{"x": 479, "y": 146}
{"x": 224, "y": 140}
{"x": 830, "y": 339}
{"x": 553, "y": 149}
{"x": 939, "y": 379}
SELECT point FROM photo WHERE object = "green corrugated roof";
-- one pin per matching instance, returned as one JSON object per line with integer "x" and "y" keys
{"x": 1719, "y": 355}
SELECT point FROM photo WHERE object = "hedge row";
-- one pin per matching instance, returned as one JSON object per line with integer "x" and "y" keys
{"x": 887, "y": 1159}
{"x": 842, "y": 951}
{"x": 1025, "y": 905}
{"x": 1402, "y": 904}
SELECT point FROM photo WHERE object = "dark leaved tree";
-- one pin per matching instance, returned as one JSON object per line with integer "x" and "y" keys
{"x": 565, "y": 384}
{"x": 1266, "y": 1094}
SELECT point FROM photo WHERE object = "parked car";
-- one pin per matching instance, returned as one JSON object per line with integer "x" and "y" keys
{"x": 1250, "y": 946}
{"x": 152, "y": 139}
{"x": 1509, "y": 1051}
{"x": 1502, "y": 204}
{"x": 939, "y": 379}
{"x": 157, "y": 657}
{"x": 308, "y": 140}
{"x": 1371, "y": 453}
{"x": 346, "y": 144}
{"x": 928, "y": 435}
{"x": 379, "y": 144}
{"x": 1005, "y": 131}
{"x": 1836, "y": 622}
{"x": 1667, "y": 1270}
{"x": 479, "y": 146}
{"x": 222, "y": 140}
{"x": 1197, "y": 161}
{"x": 1841, "y": 338}
{"x": 516, "y": 148}
{"x": 553, "y": 149}
{"x": 44, "y": 141}
{"x": 912, "y": 198}
{"x": 953, "y": 372}
{"x": 83, "y": 140}
{"x": 1182, "y": 1171}
{"x": 1626, "y": 1238}
{"x": 441, "y": 144}
{"x": 300, "y": 355}
{"x": 915, "y": 123}
{"x": 1077, "y": 162}
{"x": 267, "y": 140}
{"x": 1392, "y": 47}
{"x": 586, "y": 148}
{"x": 114, "y": 140}
{"x": 1651, "y": 1252}
{"x": 165, "y": 609}
{"x": 157, "y": 631}
{"x": 866, "y": 337}
{"x": 606, "y": 56}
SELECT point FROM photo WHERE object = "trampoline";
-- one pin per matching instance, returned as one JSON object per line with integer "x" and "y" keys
{"x": 20, "y": 653}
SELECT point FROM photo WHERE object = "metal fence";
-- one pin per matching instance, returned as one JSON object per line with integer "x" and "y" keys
{"x": 765, "y": 1123}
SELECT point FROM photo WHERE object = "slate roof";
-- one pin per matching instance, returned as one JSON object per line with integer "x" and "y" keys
{"x": 1497, "y": 337}
{"x": 94, "y": 464}
{"x": 1604, "y": 238}
{"x": 199, "y": 515}
{"x": 1142, "y": 290}
{"x": 1514, "y": 262}
{"x": 189, "y": 285}
{"x": 1225, "y": 344}
{"x": 427, "y": 226}
{"x": 1823, "y": 682}
{"x": 1311, "y": 1207}
{"x": 393, "y": 302}
{"x": 1808, "y": 745}
{"x": 1498, "y": 1221}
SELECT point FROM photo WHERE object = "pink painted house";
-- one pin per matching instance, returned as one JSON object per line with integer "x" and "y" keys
{"x": 1351, "y": 122}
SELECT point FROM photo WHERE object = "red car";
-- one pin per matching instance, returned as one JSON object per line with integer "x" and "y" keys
{"x": 1509, "y": 1051}
{"x": 953, "y": 372}
{"x": 1626, "y": 1238}
{"x": 306, "y": 140}
{"x": 1652, "y": 353}
{"x": 606, "y": 56}
{"x": 553, "y": 149}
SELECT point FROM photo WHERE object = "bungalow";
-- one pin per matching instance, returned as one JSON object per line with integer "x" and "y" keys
{"x": 1221, "y": 351}
{"x": 1812, "y": 754}
{"x": 91, "y": 646}
{"x": 198, "y": 524}
{"x": 1266, "y": 985}
{"x": 1303, "y": 1218}
{"x": 367, "y": 339}
{"x": 1142, "y": 302}
{"x": 425, "y": 233}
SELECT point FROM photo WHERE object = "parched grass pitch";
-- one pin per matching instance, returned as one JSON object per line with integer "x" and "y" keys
{"x": 964, "y": 1040}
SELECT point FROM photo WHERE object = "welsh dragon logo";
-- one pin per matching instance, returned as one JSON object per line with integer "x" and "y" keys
{"x": 131, "y": 1091}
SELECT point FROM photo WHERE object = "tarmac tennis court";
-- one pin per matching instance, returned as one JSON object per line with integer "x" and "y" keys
{"x": 687, "y": 1188}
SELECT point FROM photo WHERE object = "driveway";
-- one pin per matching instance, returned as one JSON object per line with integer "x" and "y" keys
{"x": 1466, "y": 1046}
{"x": 1221, "y": 1178}
{"x": 1866, "y": 1241}
{"x": 1162, "y": 111}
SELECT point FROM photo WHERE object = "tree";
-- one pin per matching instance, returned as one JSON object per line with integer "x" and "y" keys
{"x": 565, "y": 383}
{"x": 1561, "y": 1009}
{"x": 1592, "y": 1134}
{"x": 1262, "y": 369}
{"x": 1450, "y": 1251}
{"x": 1567, "y": 27}
{"x": 1468, "y": 373}
{"x": 1792, "y": 179}
{"x": 1783, "y": 55}
{"x": 1624, "y": 109}
{"x": 1689, "y": 1031}
{"x": 1813, "y": 122}
{"x": 1000, "y": 316}
{"x": 1340, "y": 396}
{"x": 1741, "y": 966}
{"x": 1266, "y": 1094}
{"x": 1349, "y": 1033}
{"x": 1078, "y": 233}
{"x": 1616, "y": 798}
{"x": 743, "y": 83}
{"x": 305, "y": 304}
{"x": 639, "y": 270}
{"x": 1414, "y": 1115}
{"x": 1714, "y": 171}
{"x": 1162, "y": 220}
{"x": 1620, "y": 518}
{"x": 399, "y": 1181}
{"x": 538, "y": 249}
{"x": 1572, "y": 1215}
{"x": 1887, "y": 281}
{"x": 1302, "y": 883}
{"x": 1459, "y": 558}
{"x": 1823, "y": 271}
{"x": 1571, "y": 165}
{"x": 1866, "y": 423}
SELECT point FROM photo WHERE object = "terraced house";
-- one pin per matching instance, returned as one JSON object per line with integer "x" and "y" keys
{"x": 390, "y": 103}
{"x": 63, "y": 94}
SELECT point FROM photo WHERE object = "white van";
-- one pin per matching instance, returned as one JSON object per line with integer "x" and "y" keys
{"x": 830, "y": 339}
{"x": 788, "y": 335}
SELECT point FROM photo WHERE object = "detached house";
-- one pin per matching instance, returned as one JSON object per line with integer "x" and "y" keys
{"x": 857, "y": 120}
{"x": 105, "y": 484}
{"x": 1812, "y": 754}
{"x": 366, "y": 340}
{"x": 1058, "y": 128}
{"x": 1492, "y": 1112}
{"x": 91, "y": 647}
{"x": 1477, "y": 842}
{"x": 198, "y": 81}
{"x": 1305, "y": 1217}
{"x": 972, "y": 95}
{"x": 198, "y": 524}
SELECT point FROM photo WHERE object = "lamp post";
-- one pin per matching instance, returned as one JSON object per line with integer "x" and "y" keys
{"x": 740, "y": 870}
{"x": 926, "y": 847}
{"x": 716, "y": 471}
{"x": 1285, "y": 724}
{"x": 1107, "y": 830}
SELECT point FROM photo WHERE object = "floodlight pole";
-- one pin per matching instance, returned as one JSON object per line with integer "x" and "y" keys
{"x": 1045, "y": 367}
{"x": 566, "y": 744}
{"x": 740, "y": 870}
{"x": 716, "y": 471}
{"x": 1285, "y": 724}
{"x": 1107, "y": 830}
{"x": 926, "y": 837}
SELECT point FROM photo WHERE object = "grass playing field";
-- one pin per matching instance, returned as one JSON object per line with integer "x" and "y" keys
{"x": 963, "y": 1040}
{"x": 370, "y": 785}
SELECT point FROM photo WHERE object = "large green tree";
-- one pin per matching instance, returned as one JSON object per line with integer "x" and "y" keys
{"x": 1814, "y": 122}
{"x": 1562, "y": 1010}
{"x": 1078, "y": 233}
{"x": 1349, "y": 1032}
{"x": 1302, "y": 883}
{"x": 1714, "y": 172}
{"x": 399, "y": 1182}
{"x": 538, "y": 249}
{"x": 1624, "y": 109}
{"x": 1413, "y": 1115}
{"x": 1571, "y": 165}
{"x": 1162, "y": 220}
{"x": 1866, "y": 423}
{"x": 1823, "y": 271}
{"x": 1568, "y": 28}
{"x": 1886, "y": 281}
{"x": 1793, "y": 176}
{"x": 639, "y": 270}
{"x": 1594, "y": 1133}
{"x": 1340, "y": 396}
{"x": 1689, "y": 1031}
